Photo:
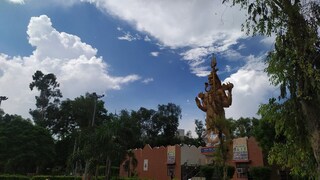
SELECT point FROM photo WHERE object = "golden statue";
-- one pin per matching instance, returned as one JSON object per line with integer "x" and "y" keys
{"x": 213, "y": 102}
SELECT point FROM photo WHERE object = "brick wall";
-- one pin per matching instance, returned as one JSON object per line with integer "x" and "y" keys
{"x": 255, "y": 157}
{"x": 255, "y": 152}
{"x": 157, "y": 160}
{"x": 156, "y": 165}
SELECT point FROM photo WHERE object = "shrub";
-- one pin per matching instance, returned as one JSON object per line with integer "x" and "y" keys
{"x": 260, "y": 173}
{"x": 14, "y": 177}
{"x": 125, "y": 178}
{"x": 230, "y": 171}
{"x": 216, "y": 172}
{"x": 56, "y": 178}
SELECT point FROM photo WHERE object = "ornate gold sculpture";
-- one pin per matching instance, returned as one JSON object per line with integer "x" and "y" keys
{"x": 213, "y": 102}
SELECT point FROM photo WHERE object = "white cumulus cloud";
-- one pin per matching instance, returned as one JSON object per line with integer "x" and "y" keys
{"x": 53, "y": 44}
{"x": 179, "y": 23}
{"x": 74, "y": 62}
{"x": 251, "y": 88}
{"x": 207, "y": 24}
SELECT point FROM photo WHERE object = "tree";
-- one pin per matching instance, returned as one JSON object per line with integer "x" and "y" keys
{"x": 83, "y": 111}
{"x": 87, "y": 113}
{"x": 199, "y": 131}
{"x": 78, "y": 114}
{"x": 244, "y": 127}
{"x": 25, "y": 148}
{"x": 107, "y": 146}
{"x": 129, "y": 130}
{"x": 167, "y": 118}
{"x": 287, "y": 149}
{"x": 68, "y": 121}
{"x": 63, "y": 150}
{"x": 48, "y": 100}
{"x": 294, "y": 66}
{"x": 157, "y": 128}
{"x": 265, "y": 134}
{"x": 149, "y": 129}
{"x": 131, "y": 164}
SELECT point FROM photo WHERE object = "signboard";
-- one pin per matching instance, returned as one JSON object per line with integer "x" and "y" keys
{"x": 145, "y": 165}
{"x": 208, "y": 150}
{"x": 171, "y": 155}
{"x": 240, "y": 149}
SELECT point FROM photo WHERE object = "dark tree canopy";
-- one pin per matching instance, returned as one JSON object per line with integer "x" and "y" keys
{"x": 199, "y": 129}
{"x": 155, "y": 127}
{"x": 169, "y": 115}
{"x": 48, "y": 99}
{"x": 25, "y": 148}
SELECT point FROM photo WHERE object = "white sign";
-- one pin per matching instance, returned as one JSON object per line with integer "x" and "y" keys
{"x": 145, "y": 165}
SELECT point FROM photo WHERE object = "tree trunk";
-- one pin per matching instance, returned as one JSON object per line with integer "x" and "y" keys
{"x": 37, "y": 169}
{"x": 86, "y": 169}
{"x": 97, "y": 172}
{"x": 74, "y": 151}
{"x": 129, "y": 167}
{"x": 312, "y": 114}
{"x": 315, "y": 144}
{"x": 108, "y": 164}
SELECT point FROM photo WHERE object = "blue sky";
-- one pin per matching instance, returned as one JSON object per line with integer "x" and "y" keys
{"x": 138, "y": 53}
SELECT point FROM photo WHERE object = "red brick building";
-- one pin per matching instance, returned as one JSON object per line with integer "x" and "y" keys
{"x": 180, "y": 162}
{"x": 246, "y": 154}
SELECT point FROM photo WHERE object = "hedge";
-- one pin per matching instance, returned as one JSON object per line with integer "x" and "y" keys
{"x": 260, "y": 173}
{"x": 216, "y": 172}
{"x": 13, "y": 177}
{"x": 56, "y": 178}
{"x": 77, "y": 178}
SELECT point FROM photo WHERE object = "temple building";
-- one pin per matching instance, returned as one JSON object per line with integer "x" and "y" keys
{"x": 183, "y": 162}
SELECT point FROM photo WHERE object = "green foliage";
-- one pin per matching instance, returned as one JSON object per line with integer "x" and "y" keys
{"x": 168, "y": 117}
{"x": 17, "y": 177}
{"x": 199, "y": 129}
{"x": 114, "y": 170}
{"x": 131, "y": 162}
{"x": 265, "y": 134}
{"x": 242, "y": 127}
{"x": 260, "y": 173}
{"x": 78, "y": 113}
{"x": 24, "y": 147}
{"x": 48, "y": 99}
{"x": 56, "y": 178}
{"x": 293, "y": 66}
{"x": 291, "y": 155}
{"x": 212, "y": 172}
{"x": 129, "y": 129}
{"x": 79, "y": 128}
{"x": 126, "y": 178}
{"x": 285, "y": 144}
{"x": 156, "y": 128}
{"x": 13, "y": 177}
